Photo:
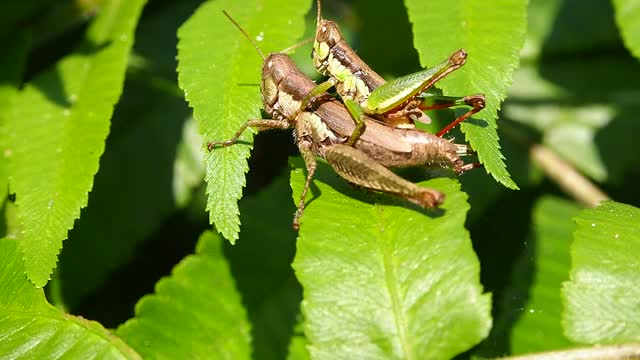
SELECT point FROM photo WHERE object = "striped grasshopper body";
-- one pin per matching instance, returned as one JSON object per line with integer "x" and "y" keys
{"x": 398, "y": 103}
{"x": 322, "y": 128}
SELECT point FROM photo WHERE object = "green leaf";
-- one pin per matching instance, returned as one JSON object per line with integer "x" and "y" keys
{"x": 107, "y": 234}
{"x": 12, "y": 62}
{"x": 602, "y": 298}
{"x": 530, "y": 319}
{"x": 628, "y": 19}
{"x": 219, "y": 72}
{"x": 188, "y": 168}
{"x": 492, "y": 34}
{"x": 30, "y": 328}
{"x": 195, "y": 313}
{"x": 387, "y": 279}
{"x": 268, "y": 285}
{"x": 298, "y": 345}
{"x": 149, "y": 121}
{"x": 59, "y": 125}
{"x": 560, "y": 28}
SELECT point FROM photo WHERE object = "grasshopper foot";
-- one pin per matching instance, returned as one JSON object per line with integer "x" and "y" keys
{"x": 476, "y": 101}
{"x": 296, "y": 219}
{"x": 213, "y": 145}
{"x": 428, "y": 198}
{"x": 466, "y": 167}
{"x": 458, "y": 58}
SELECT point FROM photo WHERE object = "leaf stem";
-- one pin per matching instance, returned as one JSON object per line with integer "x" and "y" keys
{"x": 566, "y": 176}
{"x": 627, "y": 351}
{"x": 558, "y": 169}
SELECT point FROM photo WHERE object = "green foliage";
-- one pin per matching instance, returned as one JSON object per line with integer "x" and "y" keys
{"x": 210, "y": 316}
{"x": 149, "y": 122}
{"x": 539, "y": 327}
{"x": 477, "y": 28}
{"x": 628, "y": 19}
{"x": 214, "y": 76}
{"x": 56, "y": 135}
{"x": 375, "y": 276}
{"x": 531, "y": 308}
{"x": 583, "y": 118}
{"x": 399, "y": 276}
{"x": 31, "y": 328}
{"x": 602, "y": 299}
{"x": 12, "y": 60}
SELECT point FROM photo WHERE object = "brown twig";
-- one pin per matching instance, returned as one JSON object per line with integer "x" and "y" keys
{"x": 566, "y": 176}
{"x": 614, "y": 352}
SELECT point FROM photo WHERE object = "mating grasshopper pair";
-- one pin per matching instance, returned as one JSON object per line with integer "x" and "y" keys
{"x": 398, "y": 103}
{"x": 325, "y": 127}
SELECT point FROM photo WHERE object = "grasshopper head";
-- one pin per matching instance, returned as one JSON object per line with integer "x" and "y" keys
{"x": 328, "y": 32}
{"x": 283, "y": 86}
{"x": 327, "y": 35}
{"x": 275, "y": 67}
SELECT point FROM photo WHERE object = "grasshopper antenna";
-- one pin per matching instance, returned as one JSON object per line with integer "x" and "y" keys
{"x": 319, "y": 16}
{"x": 245, "y": 34}
{"x": 295, "y": 46}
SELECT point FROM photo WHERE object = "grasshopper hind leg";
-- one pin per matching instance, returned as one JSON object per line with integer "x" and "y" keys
{"x": 358, "y": 168}
{"x": 433, "y": 102}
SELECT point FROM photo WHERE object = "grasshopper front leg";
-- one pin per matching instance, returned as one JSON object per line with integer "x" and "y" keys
{"x": 260, "y": 124}
{"x": 310, "y": 165}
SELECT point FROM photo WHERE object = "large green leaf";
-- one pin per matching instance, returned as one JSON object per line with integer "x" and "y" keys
{"x": 261, "y": 266}
{"x": 492, "y": 34}
{"x": 148, "y": 122}
{"x": 628, "y": 19}
{"x": 539, "y": 327}
{"x": 602, "y": 298}
{"x": 58, "y": 128}
{"x": 12, "y": 61}
{"x": 385, "y": 278}
{"x": 108, "y": 232}
{"x": 530, "y": 315}
{"x": 219, "y": 72}
{"x": 195, "y": 313}
{"x": 30, "y": 328}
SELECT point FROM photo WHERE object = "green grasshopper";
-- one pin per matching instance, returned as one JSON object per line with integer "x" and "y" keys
{"x": 399, "y": 102}
{"x": 323, "y": 125}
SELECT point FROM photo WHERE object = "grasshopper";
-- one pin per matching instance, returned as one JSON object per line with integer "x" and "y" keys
{"x": 399, "y": 102}
{"x": 322, "y": 126}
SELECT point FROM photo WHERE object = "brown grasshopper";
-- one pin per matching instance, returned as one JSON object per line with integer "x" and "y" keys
{"x": 399, "y": 102}
{"x": 322, "y": 126}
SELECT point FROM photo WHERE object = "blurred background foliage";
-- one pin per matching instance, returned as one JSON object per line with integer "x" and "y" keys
{"x": 577, "y": 92}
